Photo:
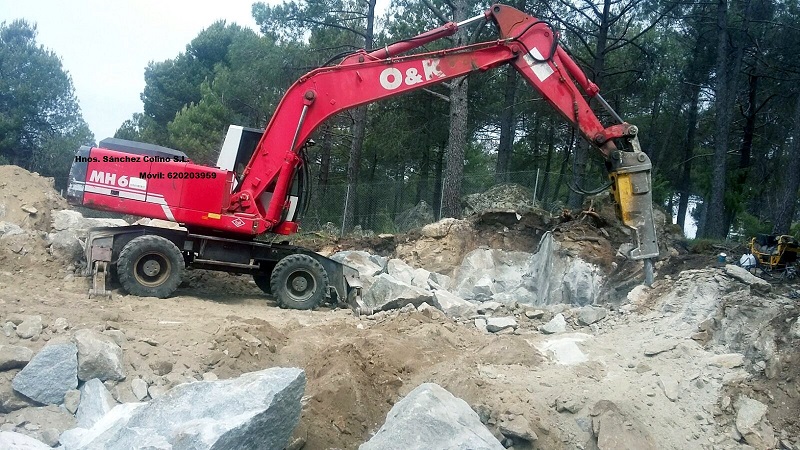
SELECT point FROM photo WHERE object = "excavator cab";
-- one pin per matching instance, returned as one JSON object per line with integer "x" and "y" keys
{"x": 237, "y": 150}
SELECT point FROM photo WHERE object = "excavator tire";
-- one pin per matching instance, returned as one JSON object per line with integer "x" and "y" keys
{"x": 150, "y": 266}
{"x": 299, "y": 282}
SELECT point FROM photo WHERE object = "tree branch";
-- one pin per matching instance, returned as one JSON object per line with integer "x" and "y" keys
{"x": 334, "y": 25}
{"x": 436, "y": 94}
{"x": 436, "y": 11}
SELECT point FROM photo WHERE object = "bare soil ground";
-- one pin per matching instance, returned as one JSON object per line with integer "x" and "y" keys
{"x": 357, "y": 368}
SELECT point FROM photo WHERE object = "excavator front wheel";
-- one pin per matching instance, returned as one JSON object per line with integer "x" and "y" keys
{"x": 299, "y": 282}
{"x": 150, "y": 266}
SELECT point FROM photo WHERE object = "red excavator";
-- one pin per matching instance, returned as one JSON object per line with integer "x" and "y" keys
{"x": 260, "y": 186}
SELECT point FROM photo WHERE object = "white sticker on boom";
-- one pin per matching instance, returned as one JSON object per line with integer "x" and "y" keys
{"x": 540, "y": 68}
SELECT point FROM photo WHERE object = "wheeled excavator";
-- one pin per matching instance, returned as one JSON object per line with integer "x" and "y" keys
{"x": 260, "y": 182}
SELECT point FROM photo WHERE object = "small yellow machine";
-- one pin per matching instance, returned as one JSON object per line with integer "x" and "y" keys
{"x": 775, "y": 255}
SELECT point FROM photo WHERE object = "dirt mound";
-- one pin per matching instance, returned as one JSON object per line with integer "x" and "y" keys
{"x": 27, "y": 199}
{"x": 27, "y": 202}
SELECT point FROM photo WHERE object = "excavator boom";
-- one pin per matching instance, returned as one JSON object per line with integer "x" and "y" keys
{"x": 527, "y": 43}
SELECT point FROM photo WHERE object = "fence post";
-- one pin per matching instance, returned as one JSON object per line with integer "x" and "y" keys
{"x": 441, "y": 198}
{"x": 536, "y": 186}
{"x": 344, "y": 212}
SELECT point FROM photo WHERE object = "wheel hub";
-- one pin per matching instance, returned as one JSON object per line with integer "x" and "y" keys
{"x": 151, "y": 268}
{"x": 299, "y": 284}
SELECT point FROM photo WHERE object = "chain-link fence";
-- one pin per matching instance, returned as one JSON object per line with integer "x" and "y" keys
{"x": 379, "y": 204}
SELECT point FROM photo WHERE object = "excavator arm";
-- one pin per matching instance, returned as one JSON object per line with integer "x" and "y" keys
{"x": 529, "y": 44}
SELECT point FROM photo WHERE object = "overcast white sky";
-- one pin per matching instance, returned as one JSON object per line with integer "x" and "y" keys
{"x": 106, "y": 44}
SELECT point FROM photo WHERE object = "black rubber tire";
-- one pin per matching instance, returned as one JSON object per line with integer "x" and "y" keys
{"x": 299, "y": 282}
{"x": 262, "y": 280}
{"x": 150, "y": 266}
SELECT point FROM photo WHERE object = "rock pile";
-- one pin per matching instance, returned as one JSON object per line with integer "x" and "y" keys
{"x": 502, "y": 197}
{"x": 484, "y": 277}
{"x": 420, "y": 215}
{"x": 255, "y": 410}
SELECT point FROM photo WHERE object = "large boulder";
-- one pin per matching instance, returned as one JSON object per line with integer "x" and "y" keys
{"x": 98, "y": 356}
{"x": 558, "y": 324}
{"x": 421, "y": 278}
{"x": 417, "y": 216}
{"x": 11, "y": 400}
{"x": 14, "y": 356}
{"x": 49, "y": 375}
{"x": 549, "y": 276}
{"x": 495, "y": 324}
{"x": 30, "y": 328}
{"x": 485, "y": 272}
{"x": 617, "y": 430}
{"x": 752, "y": 424}
{"x": 389, "y": 293}
{"x": 398, "y": 269}
{"x": 8, "y": 229}
{"x": 65, "y": 245}
{"x": 70, "y": 228}
{"x": 741, "y": 274}
{"x": 367, "y": 265}
{"x": 440, "y": 247}
{"x": 430, "y": 417}
{"x": 10, "y": 440}
{"x": 257, "y": 410}
{"x": 591, "y": 314}
{"x": 69, "y": 219}
{"x": 96, "y": 401}
{"x": 453, "y": 305}
{"x": 582, "y": 283}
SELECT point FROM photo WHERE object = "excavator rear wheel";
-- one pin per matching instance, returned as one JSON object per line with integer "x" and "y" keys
{"x": 150, "y": 266}
{"x": 299, "y": 282}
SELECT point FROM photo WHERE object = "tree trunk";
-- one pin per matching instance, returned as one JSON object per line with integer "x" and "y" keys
{"x": 399, "y": 189}
{"x": 684, "y": 185}
{"x": 715, "y": 223}
{"x": 359, "y": 130}
{"x": 354, "y": 165}
{"x": 745, "y": 151}
{"x": 325, "y": 147}
{"x": 550, "y": 146}
{"x": 436, "y": 201}
{"x": 787, "y": 201}
{"x": 725, "y": 98}
{"x": 563, "y": 170}
{"x": 424, "y": 175}
{"x": 581, "y": 158}
{"x": 457, "y": 140}
{"x": 505, "y": 148}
